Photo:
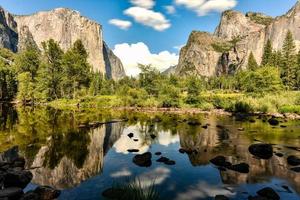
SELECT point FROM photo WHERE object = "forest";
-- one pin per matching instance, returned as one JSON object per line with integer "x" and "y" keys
{"x": 65, "y": 79}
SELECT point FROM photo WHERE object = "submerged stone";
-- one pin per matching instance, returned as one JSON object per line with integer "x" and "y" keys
{"x": 273, "y": 121}
{"x": 263, "y": 151}
{"x": 170, "y": 162}
{"x": 221, "y": 197}
{"x": 219, "y": 161}
{"x": 133, "y": 150}
{"x": 143, "y": 160}
{"x": 241, "y": 168}
{"x": 268, "y": 193}
{"x": 158, "y": 153}
{"x": 293, "y": 160}
{"x": 11, "y": 193}
{"x": 47, "y": 193}
{"x": 162, "y": 159}
{"x": 18, "y": 179}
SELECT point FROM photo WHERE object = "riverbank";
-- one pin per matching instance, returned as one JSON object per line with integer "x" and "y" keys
{"x": 281, "y": 105}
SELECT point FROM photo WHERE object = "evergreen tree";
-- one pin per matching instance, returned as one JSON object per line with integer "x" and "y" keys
{"x": 268, "y": 53}
{"x": 194, "y": 86}
{"x": 252, "y": 64}
{"x": 51, "y": 70}
{"x": 289, "y": 62}
{"x": 76, "y": 70}
{"x": 298, "y": 72}
{"x": 28, "y": 61}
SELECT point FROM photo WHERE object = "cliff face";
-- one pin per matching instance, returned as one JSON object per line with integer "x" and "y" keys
{"x": 252, "y": 30}
{"x": 64, "y": 26}
{"x": 8, "y": 31}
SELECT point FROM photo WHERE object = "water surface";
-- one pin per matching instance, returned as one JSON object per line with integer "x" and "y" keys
{"x": 65, "y": 151}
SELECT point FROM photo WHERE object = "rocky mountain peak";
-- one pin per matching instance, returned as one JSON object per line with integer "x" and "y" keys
{"x": 249, "y": 32}
{"x": 64, "y": 26}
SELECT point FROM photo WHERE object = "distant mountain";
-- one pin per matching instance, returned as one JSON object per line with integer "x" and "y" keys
{"x": 170, "y": 70}
{"x": 64, "y": 26}
{"x": 248, "y": 32}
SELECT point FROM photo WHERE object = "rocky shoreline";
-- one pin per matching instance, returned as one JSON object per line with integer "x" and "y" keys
{"x": 14, "y": 178}
{"x": 291, "y": 116}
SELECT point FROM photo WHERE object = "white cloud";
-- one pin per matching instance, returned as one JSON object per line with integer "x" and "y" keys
{"x": 143, "y": 3}
{"x": 150, "y": 18}
{"x": 203, "y": 7}
{"x": 122, "y": 24}
{"x": 133, "y": 54}
{"x": 170, "y": 9}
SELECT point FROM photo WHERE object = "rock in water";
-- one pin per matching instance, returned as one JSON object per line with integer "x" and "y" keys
{"x": 221, "y": 197}
{"x": 17, "y": 178}
{"x": 47, "y": 193}
{"x": 273, "y": 122}
{"x": 293, "y": 160}
{"x": 268, "y": 193}
{"x": 143, "y": 160}
{"x": 11, "y": 193}
{"x": 241, "y": 168}
{"x": 10, "y": 155}
{"x": 220, "y": 161}
{"x": 263, "y": 151}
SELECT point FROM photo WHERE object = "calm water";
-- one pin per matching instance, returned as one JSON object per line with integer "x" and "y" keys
{"x": 82, "y": 162}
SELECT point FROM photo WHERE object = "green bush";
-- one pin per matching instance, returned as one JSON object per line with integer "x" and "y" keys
{"x": 243, "y": 107}
{"x": 290, "y": 109}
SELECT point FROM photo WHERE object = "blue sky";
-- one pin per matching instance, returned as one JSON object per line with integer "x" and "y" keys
{"x": 160, "y": 30}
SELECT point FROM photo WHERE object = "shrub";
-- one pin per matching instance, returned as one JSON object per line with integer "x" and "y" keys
{"x": 243, "y": 107}
{"x": 290, "y": 109}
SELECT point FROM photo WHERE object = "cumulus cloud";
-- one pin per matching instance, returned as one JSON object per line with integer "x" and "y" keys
{"x": 203, "y": 7}
{"x": 143, "y": 3}
{"x": 170, "y": 9}
{"x": 133, "y": 54}
{"x": 122, "y": 24}
{"x": 147, "y": 17}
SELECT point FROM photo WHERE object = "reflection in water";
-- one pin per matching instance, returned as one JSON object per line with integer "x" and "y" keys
{"x": 85, "y": 161}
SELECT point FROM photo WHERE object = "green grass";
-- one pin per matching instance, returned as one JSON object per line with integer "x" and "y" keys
{"x": 282, "y": 102}
{"x": 134, "y": 190}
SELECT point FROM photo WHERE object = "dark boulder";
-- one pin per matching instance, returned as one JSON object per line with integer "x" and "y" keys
{"x": 30, "y": 196}
{"x": 293, "y": 160}
{"x": 162, "y": 159}
{"x": 257, "y": 198}
{"x": 273, "y": 121}
{"x": 47, "y": 193}
{"x": 221, "y": 197}
{"x": 219, "y": 161}
{"x": 181, "y": 150}
{"x": 170, "y": 162}
{"x": 19, "y": 162}
{"x": 241, "y": 168}
{"x": 263, "y": 151}
{"x": 268, "y": 193}
{"x": 133, "y": 150}
{"x": 279, "y": 154}
{"x": 18, "y": 179}
{"x": 153, "y": 136}
{"x": 158, "y": 153}
{"x": 11, "y": 193}
{"x": 296, "y": 169}
{"x": 10, "y": 155}
{"x": 143, "y": 160}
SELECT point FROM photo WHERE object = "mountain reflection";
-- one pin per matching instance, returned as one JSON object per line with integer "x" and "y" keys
{"x": 62, "y": 153}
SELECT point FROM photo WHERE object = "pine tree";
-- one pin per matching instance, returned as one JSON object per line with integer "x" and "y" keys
{"x": 267, "y": 55}
{"x": 252, "y": 64}
{"x": 51, "y": 71}
{"x": 76, "y": 70}
{"x": 289, "y": 62}
{"x": 298, "y": 72}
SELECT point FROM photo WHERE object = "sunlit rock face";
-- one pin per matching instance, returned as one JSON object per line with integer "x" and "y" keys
{"x": 67, "y": 174}
{"x": 8, "y": 28}
{"x": 64, "y": 26}
{"x": 253, "y": 29}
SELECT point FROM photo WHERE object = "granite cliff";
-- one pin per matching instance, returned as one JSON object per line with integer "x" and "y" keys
{"x": 248, "y": 32}
{"x": 64, "y": 26}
